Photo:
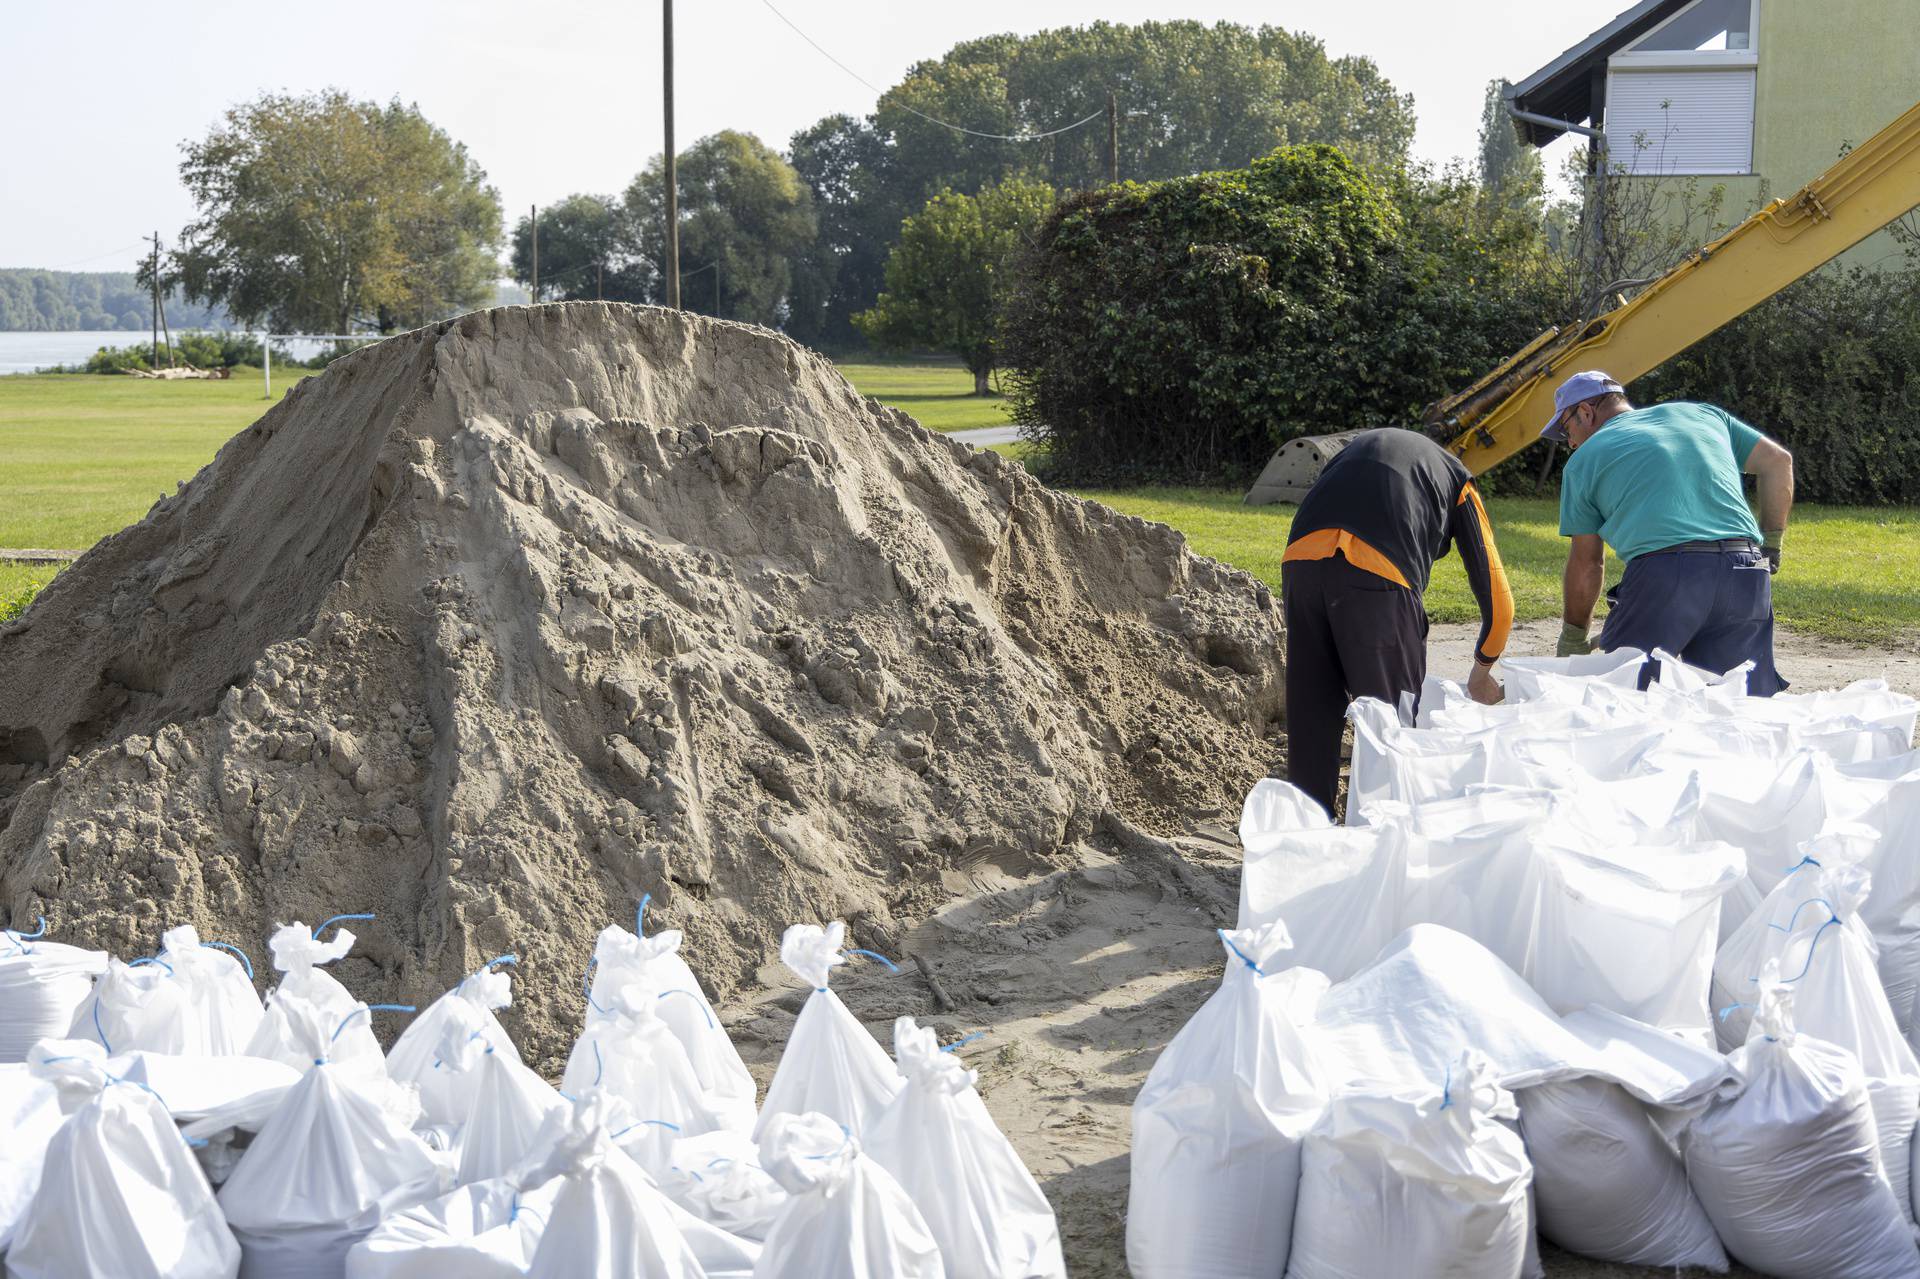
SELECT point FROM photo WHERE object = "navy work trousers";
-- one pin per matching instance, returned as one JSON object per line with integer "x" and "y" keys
{"x": 1711, "y": 609}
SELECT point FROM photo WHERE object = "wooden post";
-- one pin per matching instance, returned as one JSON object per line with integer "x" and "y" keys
{"x": 599, "y": 282}
{"x": 1113, "y": 138}
{"x": 533, "y": 212}
{"x": 160, "y": 303}
{"x": 672, "y": 174}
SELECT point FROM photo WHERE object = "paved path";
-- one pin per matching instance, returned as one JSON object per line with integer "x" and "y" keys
{"x": 981, "y": 437}
{"x": 36, "y": 555}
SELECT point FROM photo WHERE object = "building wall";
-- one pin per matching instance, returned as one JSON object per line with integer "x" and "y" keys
{"x": 1831, "y": 72}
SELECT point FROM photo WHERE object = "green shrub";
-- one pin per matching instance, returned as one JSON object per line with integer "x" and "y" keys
{"x": 1182, "y": 330}
{"x": 1830, "y": 368}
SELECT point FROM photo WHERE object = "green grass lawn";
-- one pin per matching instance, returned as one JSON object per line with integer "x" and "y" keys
{"x": 83, "y": 456}
{"x": 939, "y": 396}
{"x": 1851, "y": 574}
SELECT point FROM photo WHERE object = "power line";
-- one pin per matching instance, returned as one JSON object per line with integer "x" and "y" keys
{"x": 879, "y": 92}
{"x": 96, "y": 257}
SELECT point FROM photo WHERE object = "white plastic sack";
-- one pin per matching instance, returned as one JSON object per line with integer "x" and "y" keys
{"x": 1339, "y": 891}
{"x": 323, "y": 1170}
{"x": 1433, "y": 1177}
{"x": 1607, "y": 1183}
{"x": 1789, "y": 1169}
{"x": 429, "y": 1051}
{"x": 510, "y": 1104}
{"x": 847, "y": 1216}
{"x": 1399, "y": 1025}
{"x": 29, "y": 1116}
{"x": 1396, "y": 764}
{"x": 308, "y": 997}
{"x": 224, "y": 1006}
{"x": 120, "y": 1193}
{"x": 628, "y": 1052}
{"x": 655, "y": 965}
{"x": 42, "y": 985}
{"x": 831, "y": 1065}
{"x": 1526, "y": 678}
{"x": 1218, "y": 1126}
{"x": 488, "y": 1230}
{"x": 1808, "y": 931}
{"x": 193, "y": 1087}
{"x": 718, "y": 1178}
{"x": 984, "y": 1209}
{"x": 136, "y": 1006}
{"x": 607, "y": 1221}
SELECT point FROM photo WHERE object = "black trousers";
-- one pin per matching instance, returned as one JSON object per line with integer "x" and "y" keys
{"x": 1350, "y": 634}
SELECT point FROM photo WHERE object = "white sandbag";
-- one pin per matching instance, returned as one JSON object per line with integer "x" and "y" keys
{"x": 29, "y": 1116}
{"x": 429, "y": 1053}
{"x": 847, "y": 1217}
{"x": 1397, "y": 764}
{"x": 192, "y": 1087}
{"x": 42, "y": 985}
{"x": 628, "y": 1052}
{"x": 218, "y": 978}
{"x": 120, "y": 1193}
{"x": 296, "y": 1031}
{"x": 1340, "y": 891}
{"x": 326, "y": 1166}
{"x": 717, "y": 1177}
{"x": 1569, "y": 759}
{"x": 136, "y": 1006}
{"x": 1526, "y": 678}
{"x": 1399, "y": 1025}
{"x": 1607, "y": 1184}
{"x": 831, "y": 1065}
{"x": 1632, "y": 930}
{"x": 1789, "y": 1168}
{"x": 983, "y": 1208}
{"x": 509, "y": 1105}
{"x": 1673, "y": 673}
{"x": 1434, "y": 1176}
{"x": 307, "y": 998}
{"x": 1218, "y": 1126}
{"x": 1809, "y": 931}
{"x": 655, "y": 964}
{"x": 1468, "y": 862}
{"x": 487, "y": 1230}
{"x": 607, "y": 1220}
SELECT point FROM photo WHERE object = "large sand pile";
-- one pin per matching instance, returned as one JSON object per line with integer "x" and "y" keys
{"x": 498, "y": 625}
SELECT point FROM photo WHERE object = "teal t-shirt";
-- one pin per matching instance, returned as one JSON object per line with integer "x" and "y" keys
{"x": 1656, "y": 477}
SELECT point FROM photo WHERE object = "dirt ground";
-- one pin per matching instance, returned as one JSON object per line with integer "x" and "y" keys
{"x": 1079, "y": 977}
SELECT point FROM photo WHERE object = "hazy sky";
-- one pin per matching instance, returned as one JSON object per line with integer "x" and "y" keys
{"x": 564, "y": 95}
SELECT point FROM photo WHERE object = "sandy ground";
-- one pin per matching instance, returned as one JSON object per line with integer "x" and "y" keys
{"x": 1080, "y": 976}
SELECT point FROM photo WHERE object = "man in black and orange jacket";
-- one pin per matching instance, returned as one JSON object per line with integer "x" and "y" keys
{"x": 1351, "y": 587}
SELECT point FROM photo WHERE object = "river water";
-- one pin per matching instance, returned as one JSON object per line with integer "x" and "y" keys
{"x": 26, "y": 352}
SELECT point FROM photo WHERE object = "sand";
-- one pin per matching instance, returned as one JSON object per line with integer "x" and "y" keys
{"x": 497, "y": 626}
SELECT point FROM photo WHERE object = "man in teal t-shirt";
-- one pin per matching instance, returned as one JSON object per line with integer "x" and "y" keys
{"x": 1661, "y": 486}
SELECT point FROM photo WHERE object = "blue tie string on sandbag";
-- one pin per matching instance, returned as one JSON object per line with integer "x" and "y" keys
{"x": 846, "y": 1139}
{"x": 221, "y": 945}
{"x": 151, "y": 959}
{"x": 1446, "y": 1089}
{"x": 586, "y": 985}
{"x": 97, "y": 1028}
{"x": 325, "y": 924}
{"x": 641, "y": 1123}
{"x": 1727, "y": 1012}
{"x": 1794, "y": 918}
{"x": 690, "y": 995}
{"x": 891, "y": 966}
{"x": 370, "y": 1009}
{"x": 1241, "y": 953}
{"x": 964, "y": 1039}
{"x": 20, "y": 939}
{"x": 640, "y": 916}
{"x": 599, "y": 1064}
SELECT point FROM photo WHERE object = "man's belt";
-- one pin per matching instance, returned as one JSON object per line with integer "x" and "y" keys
{"x": 1709, "y": 547}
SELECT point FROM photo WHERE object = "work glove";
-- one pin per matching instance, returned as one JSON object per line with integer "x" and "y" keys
{"x": 1573, "y": 641}
{"x": 1770, "y": 547}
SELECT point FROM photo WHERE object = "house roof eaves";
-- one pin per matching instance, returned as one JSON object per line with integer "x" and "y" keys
{"x": 1563, "y": 89}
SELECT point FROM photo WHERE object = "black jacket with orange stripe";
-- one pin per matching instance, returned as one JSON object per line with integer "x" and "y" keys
{"x": 1392, "y": 503}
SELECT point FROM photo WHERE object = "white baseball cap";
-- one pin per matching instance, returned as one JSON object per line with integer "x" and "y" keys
{"x": 1577, "y": 389}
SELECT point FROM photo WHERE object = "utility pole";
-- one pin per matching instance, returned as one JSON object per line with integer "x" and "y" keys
{"x": 673, "y": 175}
{"x": 154, "y": 280}
{"x": 1113, "y": 138}
{"x": 533, "y": 213}
{"x": 599, "y": 282}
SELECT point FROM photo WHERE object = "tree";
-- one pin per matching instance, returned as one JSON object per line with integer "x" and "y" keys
{"x": 946, "y": 276}
{"x": 1194, "y": 98}
{"x": 744, "y": 216}
{"x": 319, "y": 213}
{"x": 1510, "y": 170}
{"x": 847, "y": 164}
{"x": 588, "y": 249}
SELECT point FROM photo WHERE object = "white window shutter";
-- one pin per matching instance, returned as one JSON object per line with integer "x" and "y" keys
{"x": 1694, "y": 121}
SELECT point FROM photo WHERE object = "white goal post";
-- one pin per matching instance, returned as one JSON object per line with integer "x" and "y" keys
{"x": 266, "y": 347}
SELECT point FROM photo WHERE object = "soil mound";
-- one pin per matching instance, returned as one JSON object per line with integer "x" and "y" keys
{"x": 495, "y": 626}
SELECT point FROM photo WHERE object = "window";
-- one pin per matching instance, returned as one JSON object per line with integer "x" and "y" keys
{"x": 1680, "y": 99}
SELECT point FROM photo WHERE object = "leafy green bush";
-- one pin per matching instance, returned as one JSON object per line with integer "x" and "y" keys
{"x": 1830, "y": 368}
{"x": 14, "y": 602}
{"x": 1182, "y": 330}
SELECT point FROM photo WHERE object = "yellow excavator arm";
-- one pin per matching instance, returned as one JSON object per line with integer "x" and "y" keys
{"x": 1503, "y": 412}
{"x": 1871, "y": 185}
